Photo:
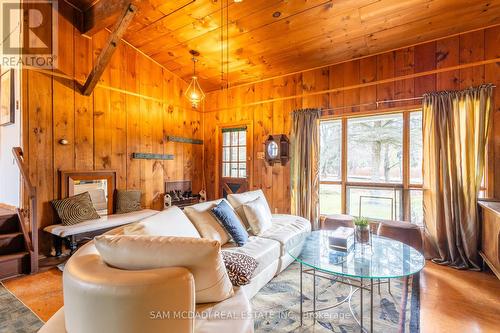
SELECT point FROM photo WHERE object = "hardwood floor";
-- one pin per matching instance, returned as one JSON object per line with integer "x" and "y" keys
{"x": 459, "y": 301}
{"x": 451, "y": 300}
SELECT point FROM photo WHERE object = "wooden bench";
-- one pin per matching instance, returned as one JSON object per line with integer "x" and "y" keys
{"x": 73, "y": 234}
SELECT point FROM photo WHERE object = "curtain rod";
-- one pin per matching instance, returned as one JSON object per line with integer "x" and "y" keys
{"x": 373, "y": 103}
{"x": 379, "y": 102}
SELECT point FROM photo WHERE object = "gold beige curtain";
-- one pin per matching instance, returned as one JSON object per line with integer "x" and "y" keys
{"x": 304, "y": 170}
{"x": 456, "y": 126}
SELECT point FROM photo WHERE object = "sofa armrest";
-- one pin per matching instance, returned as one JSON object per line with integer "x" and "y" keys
{"x": 100, "y": 298}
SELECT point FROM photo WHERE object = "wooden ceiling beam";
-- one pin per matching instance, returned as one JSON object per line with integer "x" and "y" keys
{"x": 109, "y": 48}
{"x": 102, "y": 14}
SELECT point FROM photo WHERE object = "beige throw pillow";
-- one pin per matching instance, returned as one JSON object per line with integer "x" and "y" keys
{"x": 169, "y": 222}
{"x": 202, "y": 257}
{"x": 206, "y": 223}
{"x": 239, "y": 199}
{"x": 258, "y": 216}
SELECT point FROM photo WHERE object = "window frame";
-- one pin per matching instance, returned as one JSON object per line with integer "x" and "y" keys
{"x": 405, "y": 186}
{"x": 237, "y": 147}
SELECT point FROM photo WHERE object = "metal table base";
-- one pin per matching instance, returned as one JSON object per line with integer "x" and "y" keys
{"x": 354, "y": 285}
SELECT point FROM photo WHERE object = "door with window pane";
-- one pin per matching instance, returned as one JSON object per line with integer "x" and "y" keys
{"x": 234, "y": 161}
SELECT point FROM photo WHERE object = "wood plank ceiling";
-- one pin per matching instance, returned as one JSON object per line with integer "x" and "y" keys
{"x": 273, "y": 37}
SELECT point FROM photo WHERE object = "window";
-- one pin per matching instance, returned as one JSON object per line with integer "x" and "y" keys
{"x": 330, "y": 150}
{"x": 375, "y": 149}
{"x": 415, "y": 164}
{"x": 416, "y": 153}
{"x": 330, "y": 167}
{"x": 377, "y": 203}
{"x": 234, "y": 153}
{"x": 383, "y": 170}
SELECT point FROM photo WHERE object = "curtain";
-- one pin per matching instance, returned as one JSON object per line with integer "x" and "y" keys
{"x": 304, "y": 170}
{"x": 455, "y": 131}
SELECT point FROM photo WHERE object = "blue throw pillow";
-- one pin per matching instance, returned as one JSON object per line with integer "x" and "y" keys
{"x": 231, "y": 222}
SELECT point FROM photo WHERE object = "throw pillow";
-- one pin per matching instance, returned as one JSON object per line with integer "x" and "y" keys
{"x": 127, "y": 201}
{"x": 258, "y": 217}
{"x": 202, "y": 257}
{"x": 239, "y": 266}
{"x": 231, "y": 222}
{"x": 75, "y": 209}
{"x": 237, "y": 200}
{"x": 205, "y": 222}
{"x": 169, "y": 222}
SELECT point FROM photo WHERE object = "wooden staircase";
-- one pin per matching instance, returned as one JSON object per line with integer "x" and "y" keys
{"x": 19, "y": 229}
{"x": 14, "y": 245}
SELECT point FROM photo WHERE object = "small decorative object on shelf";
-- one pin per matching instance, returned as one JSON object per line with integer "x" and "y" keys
{"x": 277, "y": 149}
{"x": 203, "y": 196}
{"x": 362, "y": 236}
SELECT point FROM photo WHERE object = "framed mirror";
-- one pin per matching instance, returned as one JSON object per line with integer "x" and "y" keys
{"x": 100, "y": 184}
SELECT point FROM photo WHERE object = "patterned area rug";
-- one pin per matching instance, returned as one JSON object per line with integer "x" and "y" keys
{"x": 277, "y": 306}
{"x": 15, "y": 316}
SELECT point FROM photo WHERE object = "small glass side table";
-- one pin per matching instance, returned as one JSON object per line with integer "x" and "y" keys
{"x": 389, "y": 259}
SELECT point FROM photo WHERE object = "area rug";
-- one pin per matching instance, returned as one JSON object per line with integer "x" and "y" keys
{"x": 15, "y": 317}
{"x": 277, "y": 306}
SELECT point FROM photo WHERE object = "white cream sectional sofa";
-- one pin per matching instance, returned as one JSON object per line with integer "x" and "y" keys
{"x": 100, "y": 298}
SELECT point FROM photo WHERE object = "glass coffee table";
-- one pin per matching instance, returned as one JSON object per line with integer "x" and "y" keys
{"x": 386, "y": 259}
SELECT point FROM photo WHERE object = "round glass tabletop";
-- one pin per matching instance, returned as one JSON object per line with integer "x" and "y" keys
{"x": 387, "y": 258}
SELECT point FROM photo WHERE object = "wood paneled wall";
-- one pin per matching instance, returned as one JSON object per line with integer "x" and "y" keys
{"x": 136, "y": 104}
{"x": 241, "y": 103}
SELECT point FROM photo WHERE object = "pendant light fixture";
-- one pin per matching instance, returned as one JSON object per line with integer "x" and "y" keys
{"x": 194, "y": 92}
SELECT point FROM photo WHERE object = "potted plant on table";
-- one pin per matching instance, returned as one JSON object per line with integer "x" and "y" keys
{"x": 362, "y": 230}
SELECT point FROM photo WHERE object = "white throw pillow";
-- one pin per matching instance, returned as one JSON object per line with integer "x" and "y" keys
{"x": 169, "y": 222}
{"x": 239, "y": 199}
{"x": 206, "y": 223}
{"x": 258, "y": 217}
{"x": 202, "y": 257}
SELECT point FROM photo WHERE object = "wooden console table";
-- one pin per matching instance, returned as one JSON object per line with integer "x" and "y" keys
{"x": 490, "y": 234}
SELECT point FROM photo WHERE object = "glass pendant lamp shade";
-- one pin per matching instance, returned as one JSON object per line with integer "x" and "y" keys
{"x": 194, "y": 92}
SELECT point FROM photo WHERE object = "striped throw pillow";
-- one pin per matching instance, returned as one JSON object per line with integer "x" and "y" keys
{"x": 75, "y": 209}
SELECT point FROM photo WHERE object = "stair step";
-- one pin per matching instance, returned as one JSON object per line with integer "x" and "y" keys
{"x": 12, "y": 243}
{"x": 12, "y": 256}
{"x": 9, "y": 224}
{"x": 10, "y": 235}
{"x": 14, "y": 264}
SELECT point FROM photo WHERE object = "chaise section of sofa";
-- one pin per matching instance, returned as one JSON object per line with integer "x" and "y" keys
{"x": 93, "y": 290}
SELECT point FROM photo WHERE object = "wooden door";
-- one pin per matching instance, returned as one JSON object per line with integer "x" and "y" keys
{"x": 234, "y": 160}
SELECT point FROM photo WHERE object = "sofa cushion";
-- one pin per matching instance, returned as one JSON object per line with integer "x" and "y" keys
{"x": 202, "y": 257}
{"x": 237, "y": 200}
{"x": 169, "y": 222}
{"x": 127, "y": 201}
{"x": 205, "y": 222}
{"x": 264, "y": 250}
{"x": 226, "y": 215}
{"x": 288, "y": 230}
{"x": 258, "y": 217}
{"x": 232, "y": 315}
{"x": 75, "y": 209}
{"x": 239, "y": 266}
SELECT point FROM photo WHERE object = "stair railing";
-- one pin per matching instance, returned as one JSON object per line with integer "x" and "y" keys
{"x": 31, "y": 213}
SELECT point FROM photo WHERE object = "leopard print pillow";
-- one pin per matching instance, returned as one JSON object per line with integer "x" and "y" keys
{"x": 240, "y": 267}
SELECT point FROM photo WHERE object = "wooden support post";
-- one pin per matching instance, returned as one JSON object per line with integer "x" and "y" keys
{"x": 108, "y": 50}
